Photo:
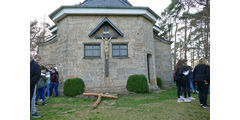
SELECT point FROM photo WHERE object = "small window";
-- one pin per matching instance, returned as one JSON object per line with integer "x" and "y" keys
{"x": 120, "y": 50}
{"x": 92, "y": 50}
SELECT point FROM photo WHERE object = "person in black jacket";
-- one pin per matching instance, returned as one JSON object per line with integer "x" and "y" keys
{"x": 201, "y": 75}
{"x": 187, "y": 79}
{"x": 35, "y": 74}
{"x": 179, "y": 78}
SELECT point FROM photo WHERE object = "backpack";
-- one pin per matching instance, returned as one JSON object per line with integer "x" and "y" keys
{"x": 42, "y": 82}
{"x": 54, "y": 77}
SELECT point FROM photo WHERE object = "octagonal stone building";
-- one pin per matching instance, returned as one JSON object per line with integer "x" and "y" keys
{"x": 104, "y": 42}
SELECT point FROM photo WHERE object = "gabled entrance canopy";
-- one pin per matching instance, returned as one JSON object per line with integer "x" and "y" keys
{"x": 104, "y": 22}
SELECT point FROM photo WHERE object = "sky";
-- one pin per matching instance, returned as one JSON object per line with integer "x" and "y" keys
{"x": 42, "y": 8}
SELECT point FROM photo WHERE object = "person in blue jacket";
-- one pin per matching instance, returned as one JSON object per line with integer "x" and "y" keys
{"x": 191, "y": 80}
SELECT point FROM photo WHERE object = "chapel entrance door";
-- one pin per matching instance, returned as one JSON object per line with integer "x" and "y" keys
{"x": 149, "y": 66}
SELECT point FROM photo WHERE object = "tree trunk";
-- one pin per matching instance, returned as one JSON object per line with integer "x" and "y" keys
{"x": 175, "y": 40}
{"x": 185, "y": 40}
{"x": 175, "y": 48}
{"x": 207, "y": 29}
{"x": 193, "y": 54}
{"x": 198, "y": 49}
{"x": 180, "y": 51}
{"x": 185, "y": 37}
{"x": 199, "y": 42}
{"x": 208, "y": 45}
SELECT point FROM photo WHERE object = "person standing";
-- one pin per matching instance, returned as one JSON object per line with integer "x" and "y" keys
{"x": 187, "y": 79}
{"x": 201, "y": 75}
{"x": 208, "y": 75}
{"x": 48, "y": 76}
{"x": 179, "y": 78}
{"x": 54, "y": 82}
{"x": 35, "y": 74}
{"x": 191, "y": 79}
{"x": 41, "y": 85}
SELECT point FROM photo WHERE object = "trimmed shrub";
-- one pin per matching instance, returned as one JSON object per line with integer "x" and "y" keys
{"x": 159, "y": 82}
{"x": 137, "y": 84}
{"x": 73, "y": 87}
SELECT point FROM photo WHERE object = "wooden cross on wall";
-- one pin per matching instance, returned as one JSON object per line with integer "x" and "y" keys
{"x": 106, "y": 37}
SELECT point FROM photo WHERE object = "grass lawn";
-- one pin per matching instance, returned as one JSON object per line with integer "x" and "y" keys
{"x": 162, "y": 106}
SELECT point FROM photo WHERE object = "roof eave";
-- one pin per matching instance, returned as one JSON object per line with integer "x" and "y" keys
{"x": 51, "y": 39}
{"x": 162, "y": 39}
{"x": 62, "y": 8}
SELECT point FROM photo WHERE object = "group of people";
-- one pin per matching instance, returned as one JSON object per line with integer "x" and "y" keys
{"x": 42, "y": 81}
{"x": 188, "y": 80}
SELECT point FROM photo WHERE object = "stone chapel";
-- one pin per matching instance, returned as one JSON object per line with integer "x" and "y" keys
{"x": 104, "y": 42}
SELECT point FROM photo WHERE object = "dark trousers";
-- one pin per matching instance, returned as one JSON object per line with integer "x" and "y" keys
{"x": 179, "y": 91}
{"x": 188, "y": 89}
{"x": 182, "y": 87}
{"x": 55, "y": 87}
{"x": 31, "y": 94}
{"x": 203, "y": 92}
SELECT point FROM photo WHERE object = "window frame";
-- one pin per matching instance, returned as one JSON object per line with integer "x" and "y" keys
{"x": 119, "y": 49}
{"x": 89, "y": 44}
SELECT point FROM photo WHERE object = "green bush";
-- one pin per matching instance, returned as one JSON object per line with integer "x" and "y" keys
{"x": 73, "y": 87}
{"x": 137, "y": 84}
{"x": 159, "y": 82}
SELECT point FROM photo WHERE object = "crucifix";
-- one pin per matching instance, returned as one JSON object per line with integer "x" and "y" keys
{"x": 106, "y": 37}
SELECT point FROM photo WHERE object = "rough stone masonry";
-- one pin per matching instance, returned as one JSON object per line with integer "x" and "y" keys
{"x": 147, "y": 54}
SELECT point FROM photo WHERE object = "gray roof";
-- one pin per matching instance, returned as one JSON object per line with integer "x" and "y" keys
{"x": 106, "y": 3}
{"x": 106, "y": 20}
{"x": 102, "y": 4}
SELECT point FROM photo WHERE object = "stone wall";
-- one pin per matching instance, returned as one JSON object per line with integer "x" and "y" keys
{"x": 48, "y": 53}
{"x": 163, "y": 62}
{"x": 149, "y": 50}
